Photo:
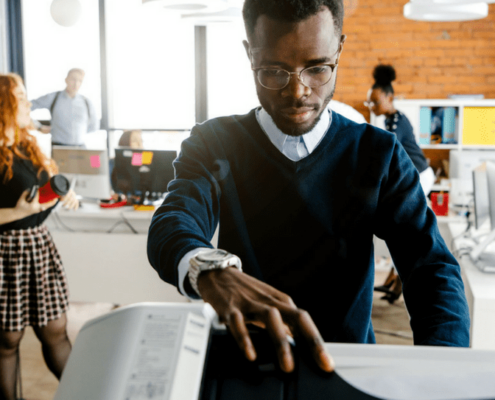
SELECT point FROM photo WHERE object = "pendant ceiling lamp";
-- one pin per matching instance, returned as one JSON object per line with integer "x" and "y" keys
{"x": 232, "y": 14}
{"x": 66, "y": 12}
{"x": 188, "y": 6}
{"x": 428, "y": 10}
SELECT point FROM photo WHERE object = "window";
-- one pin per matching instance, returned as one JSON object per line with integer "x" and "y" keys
{"x": 231, "y": 88}
{"x": 51, "y": 50}
{"x": 150, "y": 64}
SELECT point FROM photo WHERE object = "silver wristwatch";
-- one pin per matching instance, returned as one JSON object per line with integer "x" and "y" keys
{"x": 210, "y": 259}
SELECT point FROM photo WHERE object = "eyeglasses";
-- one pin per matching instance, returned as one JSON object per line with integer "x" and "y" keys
{"x": 370, "y": 104}
{"x": 276, "y": 79}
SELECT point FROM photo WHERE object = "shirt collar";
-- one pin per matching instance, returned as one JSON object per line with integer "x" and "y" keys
{"x": 277, "y": 137}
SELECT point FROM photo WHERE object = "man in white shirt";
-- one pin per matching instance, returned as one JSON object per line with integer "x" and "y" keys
{"x": 73, "y": 115}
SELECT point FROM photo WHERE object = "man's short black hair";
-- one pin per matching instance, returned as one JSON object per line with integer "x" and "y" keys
{"x": 290, "y": 11}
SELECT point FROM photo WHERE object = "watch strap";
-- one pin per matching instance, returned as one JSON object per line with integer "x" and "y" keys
{"x": 197, "y": 266}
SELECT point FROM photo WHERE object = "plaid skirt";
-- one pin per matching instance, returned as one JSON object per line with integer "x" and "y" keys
{"x": 33, "y": 285}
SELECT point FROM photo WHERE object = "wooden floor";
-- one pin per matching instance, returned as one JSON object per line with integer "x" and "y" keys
{"x": 391, "y": 324}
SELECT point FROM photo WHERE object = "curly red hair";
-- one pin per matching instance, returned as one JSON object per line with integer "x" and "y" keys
{"x": 25, "y": 145}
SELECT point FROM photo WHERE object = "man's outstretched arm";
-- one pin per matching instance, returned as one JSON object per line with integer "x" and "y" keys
{"x": 187, "y": 221}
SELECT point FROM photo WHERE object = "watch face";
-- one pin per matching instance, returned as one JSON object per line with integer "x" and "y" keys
{"x": 212, "y": 255}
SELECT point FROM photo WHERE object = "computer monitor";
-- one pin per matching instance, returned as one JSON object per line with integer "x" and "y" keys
{"x": 89, "y": 168}
{"x": 138, "y": 171}
{"x": 481, "y": 200}
{"x": 490, "y": 175}
{"x": 485, "y": 261}
{"x": 461, "y": 165}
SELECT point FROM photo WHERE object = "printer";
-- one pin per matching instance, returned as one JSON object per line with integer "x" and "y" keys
{"x": 179, "y": 351}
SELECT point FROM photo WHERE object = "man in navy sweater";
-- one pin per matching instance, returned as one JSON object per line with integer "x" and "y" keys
{"x": 299, "y": 191}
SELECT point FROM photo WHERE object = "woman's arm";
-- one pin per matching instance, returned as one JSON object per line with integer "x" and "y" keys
{"x": 24, "y": 208}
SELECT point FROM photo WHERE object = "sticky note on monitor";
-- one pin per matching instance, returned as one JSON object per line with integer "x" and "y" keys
{"x": 147, "y": 157}
{"x": 137, "y": 159}
{"x": 94, "y": 161}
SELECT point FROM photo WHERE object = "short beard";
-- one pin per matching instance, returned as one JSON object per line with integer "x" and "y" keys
{"x": 296, "y": 131}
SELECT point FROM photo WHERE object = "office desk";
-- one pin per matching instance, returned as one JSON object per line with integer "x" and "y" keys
{"x": 104, "y": 255}
{"x": 480, "y": 293}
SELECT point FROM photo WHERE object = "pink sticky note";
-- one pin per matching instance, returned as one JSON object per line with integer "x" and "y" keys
{"x": 137, "y": 159}
{"x": 95, "y": 161}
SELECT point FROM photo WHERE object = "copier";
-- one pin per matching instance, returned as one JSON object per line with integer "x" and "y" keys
{"x": 178, "y": 351}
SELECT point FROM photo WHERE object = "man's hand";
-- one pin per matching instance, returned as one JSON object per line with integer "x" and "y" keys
{"x": 239, "y": 299}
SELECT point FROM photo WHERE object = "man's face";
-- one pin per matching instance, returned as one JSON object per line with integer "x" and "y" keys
{"x": 74, "y": 81}
{"x": 296, "y": 108}
{"x": 23, "y": 117}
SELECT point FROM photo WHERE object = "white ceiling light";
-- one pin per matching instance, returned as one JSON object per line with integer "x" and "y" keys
{"x": 188, "y": 6}
{"x": 66, "y": 12}
{"x": 232, "y": 14}
{"x": 429, "y": 11}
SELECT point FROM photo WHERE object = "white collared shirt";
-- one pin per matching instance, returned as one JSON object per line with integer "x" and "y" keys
{"x": 311, "y": 139}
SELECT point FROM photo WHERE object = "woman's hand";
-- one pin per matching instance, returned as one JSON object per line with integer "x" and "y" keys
{"x": 24, "y": 208}
{"x": 70, "y": 201}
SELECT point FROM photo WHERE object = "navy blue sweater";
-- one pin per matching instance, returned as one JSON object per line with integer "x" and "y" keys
{"x": 307, "y": 227}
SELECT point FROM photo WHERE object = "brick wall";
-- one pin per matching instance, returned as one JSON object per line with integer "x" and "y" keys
{"x": 432, "y": 59}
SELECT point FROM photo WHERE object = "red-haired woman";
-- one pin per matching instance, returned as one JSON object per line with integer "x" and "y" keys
{"x": 33, "y": 287}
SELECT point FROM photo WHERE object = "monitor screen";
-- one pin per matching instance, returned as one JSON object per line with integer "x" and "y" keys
{"x": 138, "y": 171}
{"x": 89, "y": 168}
{"x": 481, "y": 200}
{"x": 490, "y": 174}
{"x": 461, "y": 165}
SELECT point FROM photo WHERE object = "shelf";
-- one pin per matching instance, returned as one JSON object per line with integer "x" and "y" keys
{"x": 440, "y": 188}
{"x": 478, "y": 146}
{"x": 445, "y": 102}
{"x": 440, "y": 146}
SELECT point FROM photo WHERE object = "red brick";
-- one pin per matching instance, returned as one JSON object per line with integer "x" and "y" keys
{"x": 403, "y": 88}
{"x": 417, "y": 79}
{"x": 356, "y": 28}
{"x": 432, "y": 59}
{"x": 474, "y": 61}
{"x": 442, "y": 79}
{"x": 393, "y": 44}
{"x": 446, "y": 44}
{"x": 464, "y": 34}
{"x": 388, "y": 11}
{"x": 458, "y": 52}
{"x": 440, "y": 26}
{"x": 428, "y": 53}
{"x": 453, "y": 89}
{"x": 430, "y": 62}
{"x": 484, "y": 70}
{"x": 445, "y": 62}
{"x": 356, "y": 46}
{"x": 432, "y": 71}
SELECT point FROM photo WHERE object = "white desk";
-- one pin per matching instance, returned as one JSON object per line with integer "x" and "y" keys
{"x": 108, "y": 267}
{"x": 480, "y": 294}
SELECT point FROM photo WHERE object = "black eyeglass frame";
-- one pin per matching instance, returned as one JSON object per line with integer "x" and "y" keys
{"x": 299, "y": 75}
{"x": 332, "y": 66}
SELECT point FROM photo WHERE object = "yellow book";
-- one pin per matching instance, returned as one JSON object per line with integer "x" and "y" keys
{"x": 479, "y": 125}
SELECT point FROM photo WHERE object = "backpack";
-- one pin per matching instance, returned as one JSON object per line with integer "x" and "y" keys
{"x": 55, "y": 100}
